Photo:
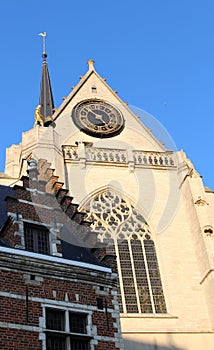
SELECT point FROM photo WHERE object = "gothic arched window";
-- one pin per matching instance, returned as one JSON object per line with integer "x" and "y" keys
{"x": 125, "y": 231}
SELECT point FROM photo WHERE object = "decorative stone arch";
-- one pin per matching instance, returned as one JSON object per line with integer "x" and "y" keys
{"x": 124, "y": 231}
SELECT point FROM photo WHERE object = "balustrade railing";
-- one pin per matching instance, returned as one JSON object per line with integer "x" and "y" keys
{"x": 154, "y": 158}
{"x": 106, "y": 155}
{"x": 139, "y": 158}
{"x": 70, "y": 152}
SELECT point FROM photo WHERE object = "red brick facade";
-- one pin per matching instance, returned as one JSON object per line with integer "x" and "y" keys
{"x": 32, "y": 284}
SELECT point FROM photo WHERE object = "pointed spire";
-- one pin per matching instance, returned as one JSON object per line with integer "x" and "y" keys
{"x": 46, "y": 97}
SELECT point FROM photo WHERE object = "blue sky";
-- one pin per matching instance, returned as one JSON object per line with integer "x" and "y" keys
{"x": 158, "y": 54}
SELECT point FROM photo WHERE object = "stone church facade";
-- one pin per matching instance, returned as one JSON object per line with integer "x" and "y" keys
{"x": 146, "y": 206}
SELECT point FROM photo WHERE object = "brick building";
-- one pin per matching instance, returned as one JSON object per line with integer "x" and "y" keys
{"x": 54, "y": 295}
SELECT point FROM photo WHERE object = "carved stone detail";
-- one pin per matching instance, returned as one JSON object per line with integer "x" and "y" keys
{"x": 114, "y": 218}
{"x": 208, "y": 230}
{"x": 201, "y": 202}
{"x": 70, "y": 152}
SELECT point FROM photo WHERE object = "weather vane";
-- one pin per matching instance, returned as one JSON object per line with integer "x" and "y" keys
{"x": 43, "y": 41}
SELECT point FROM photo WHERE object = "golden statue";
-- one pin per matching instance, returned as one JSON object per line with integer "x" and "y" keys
{"x": 38, "y": 116}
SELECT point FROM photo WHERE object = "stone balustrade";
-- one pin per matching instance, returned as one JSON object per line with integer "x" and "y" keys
{"x": 164, "y": 159}
{"x": 119, "y": 156}
{"x": 70, "y": 152}
{"x": 106, "y": 155}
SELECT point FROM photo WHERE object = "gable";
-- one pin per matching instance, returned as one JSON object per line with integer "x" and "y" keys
{"x": 92, "y": 87}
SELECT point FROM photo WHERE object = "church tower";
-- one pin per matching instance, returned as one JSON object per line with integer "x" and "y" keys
{"x": 146, "y": 205}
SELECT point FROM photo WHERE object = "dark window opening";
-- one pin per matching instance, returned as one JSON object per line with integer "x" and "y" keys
{"x": 55, "y": 320}
{"x": 78, "y": 323}
{"x": 94, "y": 89}
{"x": 100, "y": 305}
{"x": 55, "y": 342}
{"x": 66, "y": 330}
{"x": 36, "y": 239}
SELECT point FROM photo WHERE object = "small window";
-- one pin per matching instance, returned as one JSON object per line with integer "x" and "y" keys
{"x": 94, "y": 89}
{"x": 37, "y": 239}
{"x": 100, "y": 305}
{"x": 66, "y": 330}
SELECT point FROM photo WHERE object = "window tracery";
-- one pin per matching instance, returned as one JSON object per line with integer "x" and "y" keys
{"x": 121, "y": 225}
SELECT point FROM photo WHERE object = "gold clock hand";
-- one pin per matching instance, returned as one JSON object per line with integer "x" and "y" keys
{"x": 98, "y": 116}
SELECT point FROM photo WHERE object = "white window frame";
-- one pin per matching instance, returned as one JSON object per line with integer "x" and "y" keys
{"x": 67, "y": 332}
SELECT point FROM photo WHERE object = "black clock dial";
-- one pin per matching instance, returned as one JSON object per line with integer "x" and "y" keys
{"x": 98, "y": 118}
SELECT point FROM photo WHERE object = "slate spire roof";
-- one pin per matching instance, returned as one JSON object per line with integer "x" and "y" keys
{"x": 46, "y": 95}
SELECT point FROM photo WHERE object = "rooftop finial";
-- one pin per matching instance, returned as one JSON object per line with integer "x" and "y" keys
{"x": 43, "y": 44}
{"x": 90, "y": 64}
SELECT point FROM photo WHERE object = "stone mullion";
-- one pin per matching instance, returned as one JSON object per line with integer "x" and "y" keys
{"x": 67, "y": 329}
{"x": 134, "y": 276}
{"x": 120, "y": 278}
{"x": 148, "y": 277}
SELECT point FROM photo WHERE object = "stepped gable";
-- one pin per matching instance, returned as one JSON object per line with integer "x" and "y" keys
{"x": 53, "y": 186}
{"x": 32, "y": 203}
{"x": 45, "y": 173}
{"x": 71, "y": 211}
{"x": 72, "y": 215}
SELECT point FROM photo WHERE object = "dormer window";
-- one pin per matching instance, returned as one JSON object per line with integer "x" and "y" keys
{"x": 36, "y": 238}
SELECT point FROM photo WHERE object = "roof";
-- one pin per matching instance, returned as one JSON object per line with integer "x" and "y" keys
{"x": 53, "y": 259}
{"x": 5, "y": 191}
{"x": 209, "y": 190}
{"x": 73, "y": 245}
{"x": 3, "y": 243}
{"x": 70, "y": 234}
{"x": 77, "y": 253}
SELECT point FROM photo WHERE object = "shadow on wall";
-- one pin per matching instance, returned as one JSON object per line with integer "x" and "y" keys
{"x": 134, "y": 345}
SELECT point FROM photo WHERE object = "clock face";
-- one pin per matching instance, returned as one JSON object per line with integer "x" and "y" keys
{"x": 98, "y": 118}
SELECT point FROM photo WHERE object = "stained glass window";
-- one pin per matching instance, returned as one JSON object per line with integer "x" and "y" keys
{"x": 116, "y": 220}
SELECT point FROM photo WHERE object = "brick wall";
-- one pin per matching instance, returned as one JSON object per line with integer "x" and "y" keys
{"x": 29, "y": 283}
{"x": 22, "y": 301}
